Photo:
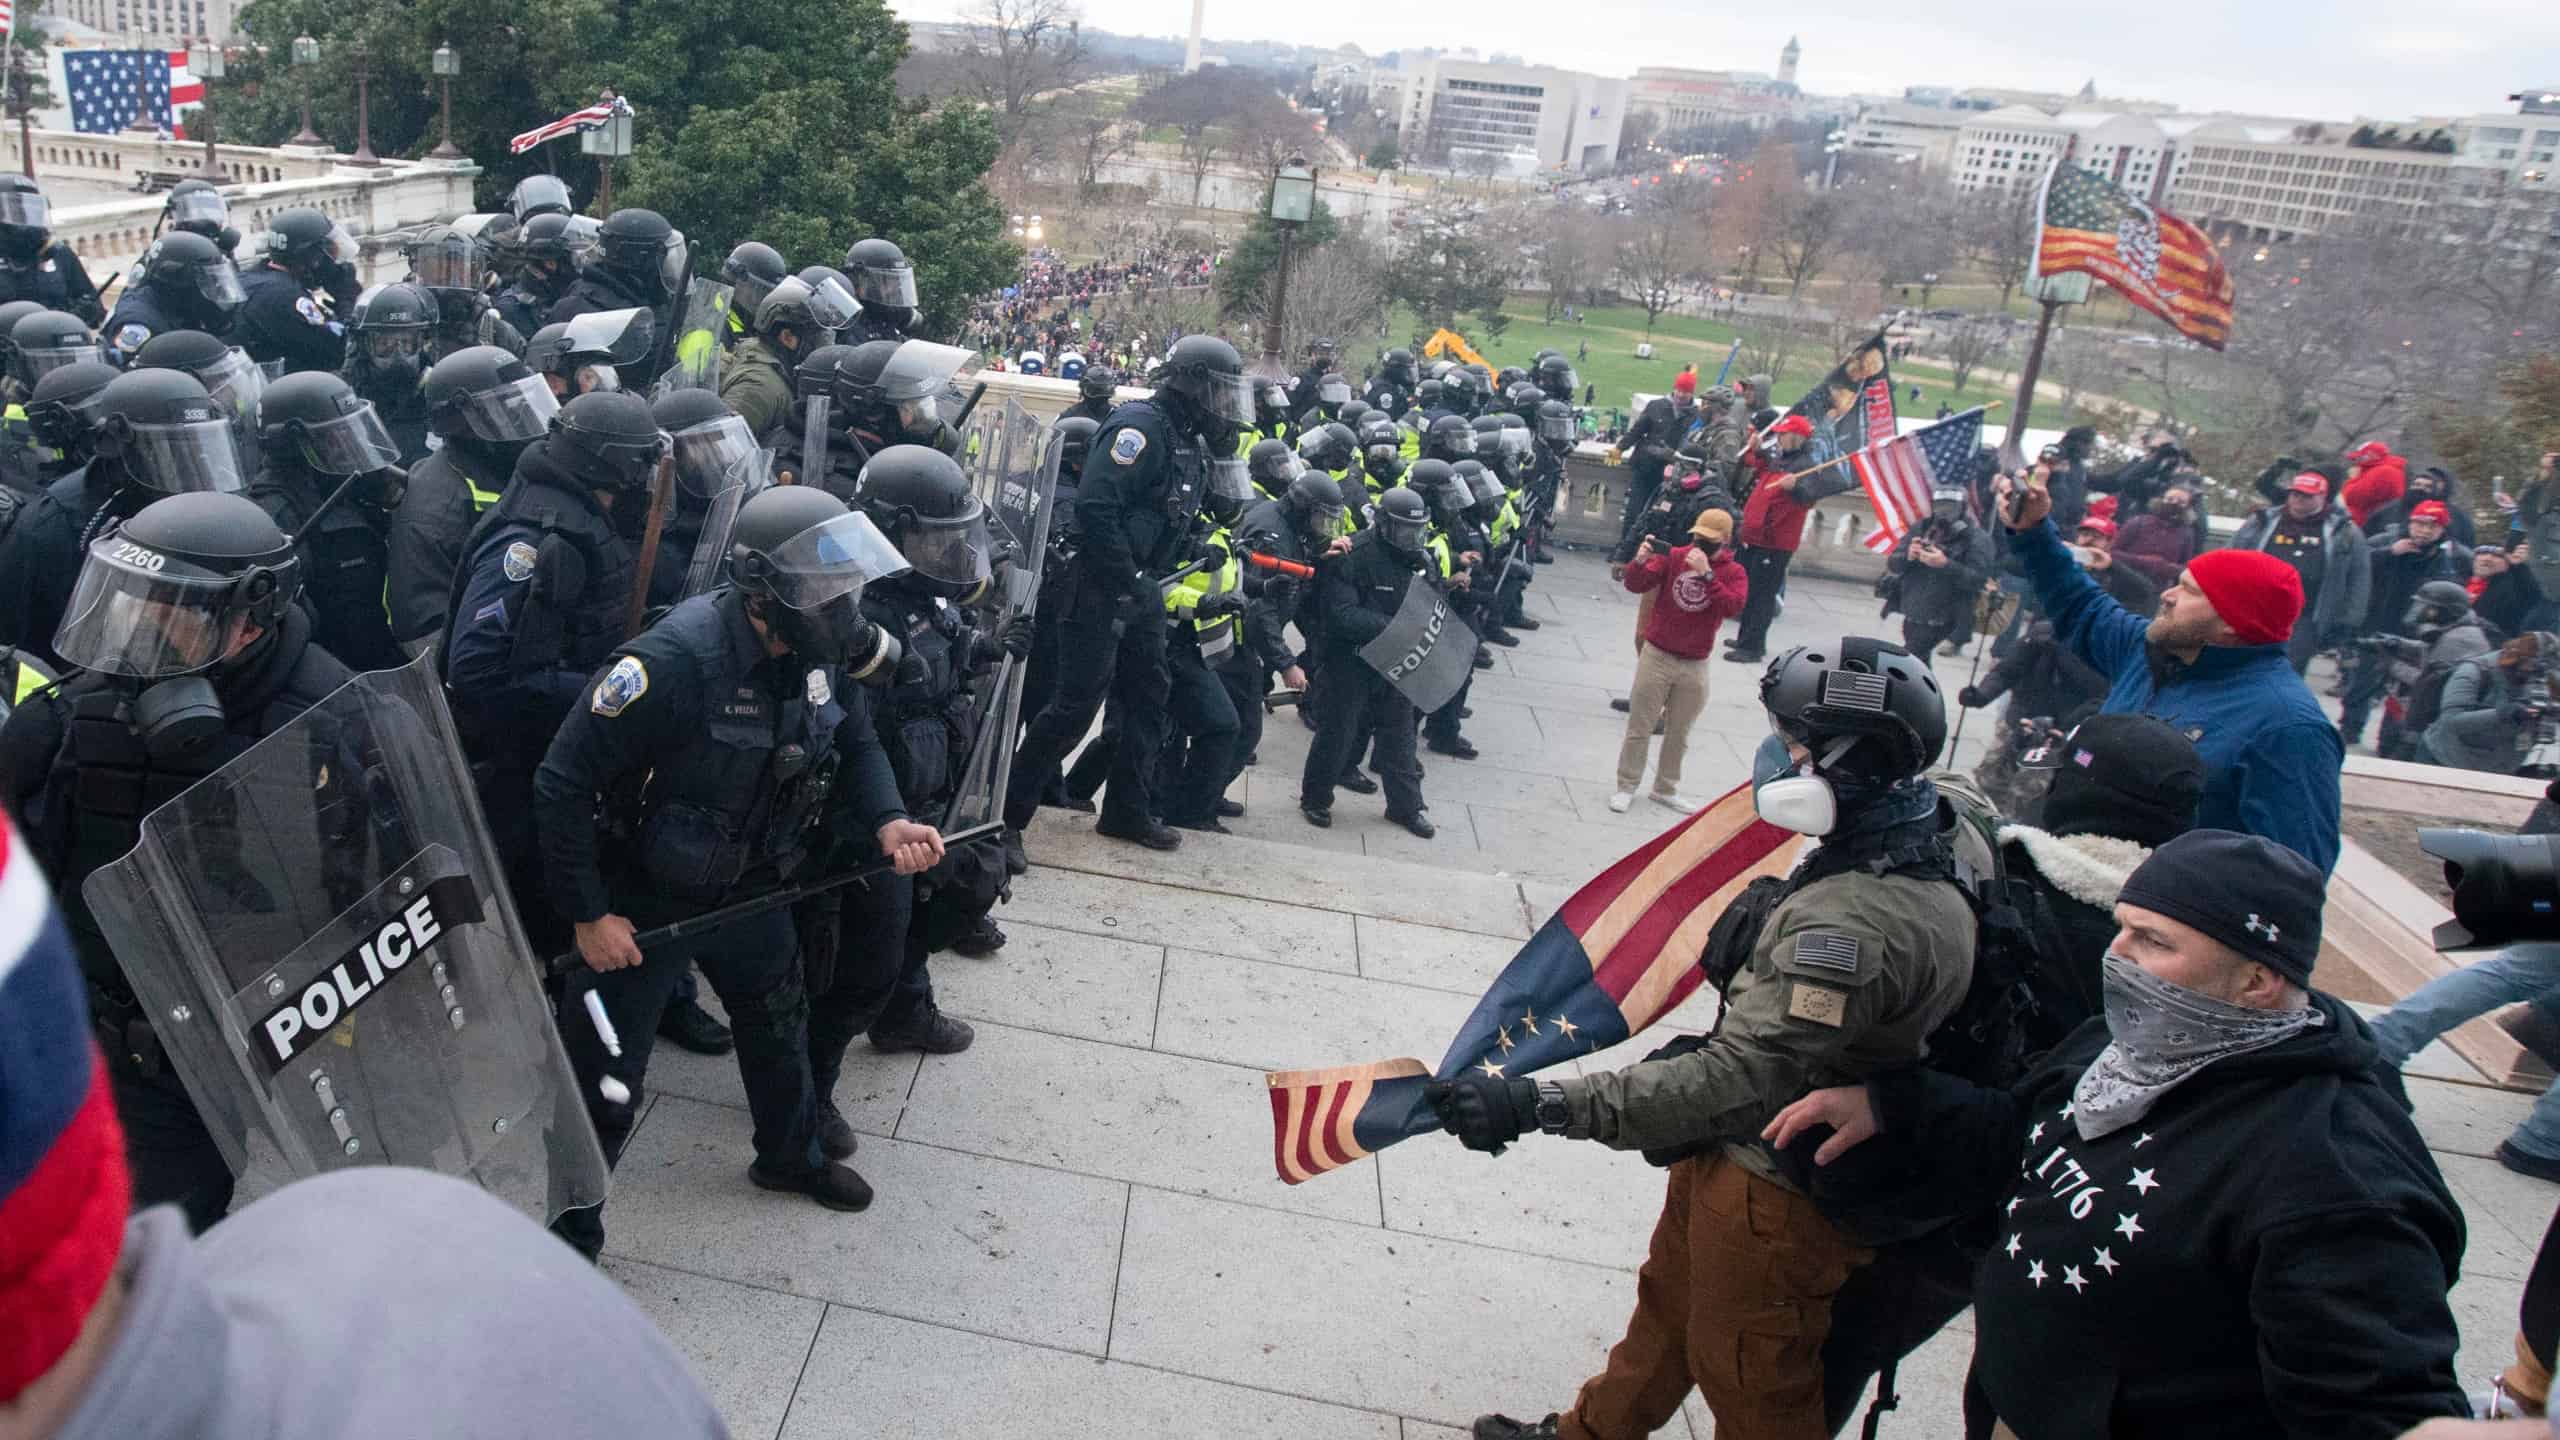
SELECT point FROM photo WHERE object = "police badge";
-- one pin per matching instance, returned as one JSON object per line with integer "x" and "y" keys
{"x": 517, "y": 564}
{"x": 820, "y": 692}
{"x": 1127, "y": 446}
{"x": 627, "y": 681}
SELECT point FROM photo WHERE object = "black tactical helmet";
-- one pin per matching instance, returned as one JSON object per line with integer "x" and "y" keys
{"x": 1206, "y": 375}
{"x": 307, "y": 242}
{"x": 539, "y": 195}
{"x": 316, "y": 419}
{"x": 1506, "y": 377}
{"x": 1353, "y": 412}
{"x": 13, "y": 312}
{"x": 196, "y": 205}
{"x": 583, "y": 352}
{"x": 193, "y": 268}
{"x": 159, "y": 429}
{"x": 881, "y": 276}
{"x": 1483, "y": 488}
{"x": 62, "y": 410}
{"x": 1398, "y": 364}
{"x": 817, "y": 276}
{"x": 818, "y": 374}
{"x": 1332, "y": 389}
{"x": 608, "y": 440}
{"x": 22, "y": 205}
{"x": 49, "y": 339}
{"x": 389, "y": 333}
{"x": 482, "y": 393}
{"x": 1098, "y": 382}
{"x": 1451, "y": 438}
{"x": 1326, "y": 447}
{"x": 920, "y": 500}
{"x": 752, "y": 270}
{"x": 803, "y": 552}
{"x": 1401, "y": 519}
{"x": 1074, "y": 441}
{"x": 1486, "y": 427}
{"x": 643, "y": 247}
{"x": 1323, "y": 349}
{"x": 173, "y": 590}
{"x": 1555, "y": 422}
{"x": 2436, "y": 606}
{"x": 545, "y": 237}
{"x": 1555, "y": 375}
{"x": 448, "y": 262}
{"x": 1867, "y": 709}
{"x": 1273, "y": 465}
{"x": 712, "y": 446}
{"x": 808, "y": 315}
{"x": 1430, "y": 476}
{"x": 1430, "y": 395}
{"x": 1314, "y": 501}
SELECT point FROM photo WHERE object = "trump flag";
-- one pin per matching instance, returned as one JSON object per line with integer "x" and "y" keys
{"x": 1619, "y": 955}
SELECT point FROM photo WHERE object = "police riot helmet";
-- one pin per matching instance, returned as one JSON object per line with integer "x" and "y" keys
{"x": 11, "y": 313}
{"x": 1430, "y": 395}
{"x": 1353, "y": 412}
{"x": 1865, "y": 709}
{"x": 160, "y": 430}
{"x": 1074, "y": 441}
{"x": 1506, "y": 377}
{"x": 640, "y": 245}
{"x": 608, "y": 440}
{"x": 1484, "y": 488}
{"x": 1098, "y": 382}
{"x": 1333, "y": 390}
{"x": 818, "y": 276}
{"x": 306, "y": 242}
{"x": 48, "y": 340}
{"x": 1314, "y": 502}
{"x": 822, "y": 371}
{"x": 1206, "y": 375}
{"x": 539, "y": 195}
{"x": 23, "y": 207}
{"x": 196, "y": 205}
{"x": 752, "y": 270}
{"x": 799, "y": 317}
{"x": 1324, "y": 447}
{"x": 882, "y": 278}
{"x": 175, "y": 589}
{"x": 482, "y": 394}
{"x": 1270, "y": 404}
{"x": 922, "y": 502}
{"x": 2435, "y": 607}
{"x": 1439, "y": 369}
{"x": 1556, "y": 376}
{"x": 1401, "y": 519}
{"x": 1272, "y": 465}
{"x": 450, "y": 263}
{"x": 545, "y": 238}
{"x": 1451, "y": 496}
{"x": 1555, "y": 422}
{"x": 712, "y": 447}
{"x": 1398, "y": 365}
{"x": 224, "y": 370}
{"x": 807, "y": 556}
{"x": 62, "y": 409}
{"x": 1428, "y": 476}
{"x": 317, "y": 420}
{"x": 1451, "y": 438}
{"x": 194, "y": 271}
{"x": 388, "y": 335}
{"x": 1458, "y": 390}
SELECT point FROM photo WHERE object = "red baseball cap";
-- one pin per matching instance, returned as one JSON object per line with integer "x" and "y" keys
{"x": 2310, "y": 482}
{"x": 2099, "y": 523}
{"x": 1792, "y": 425}
{"x": 1685, "y": 383}
{"x": 2431, "y": 510}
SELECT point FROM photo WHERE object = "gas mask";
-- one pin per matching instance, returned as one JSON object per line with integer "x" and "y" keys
{"x": 177, "y": 717}
{"x": 1788, "y": 794}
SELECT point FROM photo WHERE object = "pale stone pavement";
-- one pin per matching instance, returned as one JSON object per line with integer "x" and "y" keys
{"x": 1078, "y": 1231}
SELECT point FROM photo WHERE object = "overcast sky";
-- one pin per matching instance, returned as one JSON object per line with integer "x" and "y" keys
{"x": 2322, "y": 59}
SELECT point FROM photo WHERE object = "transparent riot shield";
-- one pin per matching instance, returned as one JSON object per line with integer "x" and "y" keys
{"x": 814, "y": 435}
{"x": 701, "y": 318}
{"x": 711, "y": 547}
{"x": 320, "y": 935}
{"x": 1016, "y": 490}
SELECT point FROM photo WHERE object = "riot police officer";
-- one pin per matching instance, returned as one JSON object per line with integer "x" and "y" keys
{"x": 484, "y": 407}
{"x": 391, "y": 341}
{"x": 38, "y": 342}
{"x": 34, "y": 265}
{"x": 1322, "y": 402}
{"x": 1307, "y": 523}
{"x": 711, "y": 743}
{"x": 889, "y": 392}
{"x": 595, "y": 351}
{"x": 751, "y": 271}
{"x": 640, "y": 260}
{"x": 61, "y": 422}
{"x": 1072, "y": 440}
{"x": 1323, "y": 357}
{"x": 279, "y": 319}
{"x": 812, "y": 416}
{"x": 1134, "y": 513}
{"x": 227, "y": 374}
{"x": 1272, "y": 466}
{"x": 885, "y": 284}
{"x": 315, "y": 435}
{"x": 543, "y": 271}
{"x": 157, "y": 434}
{"x": 1392, "y": 388}
{"x": 198, "y": 206}
{"x": 189, "y": 649}
{"x": 537, "y": 195}
{"x": 713, "y": 452}
{"x": 1329, "y": 447}
{"x": 1356, "y": 595}
{"x": 793, "y": 321}
{"x": 453, "y": 268}
{"x": 184, "y": 283}
{"x": 1097, "y": 390}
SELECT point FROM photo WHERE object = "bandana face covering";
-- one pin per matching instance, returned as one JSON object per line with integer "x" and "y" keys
{"x": 2163, "y": 1034}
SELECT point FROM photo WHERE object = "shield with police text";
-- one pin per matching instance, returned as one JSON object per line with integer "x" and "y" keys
{"x": 1016, "y": 490}
{"x": 1426, "y": 651}
{"x": 322, "y": 940}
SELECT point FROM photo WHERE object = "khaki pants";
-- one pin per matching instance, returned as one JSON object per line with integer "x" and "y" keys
{"x": 1734, "y": 1299}
{"x": 1673, "y": 691}
{"x": 1644, "y": 615}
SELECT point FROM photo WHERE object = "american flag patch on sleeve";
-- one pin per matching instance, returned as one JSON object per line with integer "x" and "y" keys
{"x": 1828, "y": 950}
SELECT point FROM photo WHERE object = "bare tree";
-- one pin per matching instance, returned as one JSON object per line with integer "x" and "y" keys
{"x": 1659, "y": 253}
{"x": 1569, "y": 253}
{"x": 1339, "y": 288}
{"x": 1092, "y": 137}
{"x": 1196, "y": 106}
{"x": 1017, "y": 51}
{"x": 1804, "y": 236}
{"x": 2000, "y": 236}
{"x": 1971, "y": 342}
{"x": 1265, "y": 131}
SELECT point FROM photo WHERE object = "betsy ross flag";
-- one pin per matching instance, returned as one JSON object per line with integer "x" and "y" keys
{"x": 103, "y": 85}
{"x": 591, "y": 118}
{"x": 1900, "y": 473}
{"x": 2151, "y": 257}
{"x": 1615, "y": 958}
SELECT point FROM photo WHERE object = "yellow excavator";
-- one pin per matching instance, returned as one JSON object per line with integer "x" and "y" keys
{"x": 1449, "y": 344}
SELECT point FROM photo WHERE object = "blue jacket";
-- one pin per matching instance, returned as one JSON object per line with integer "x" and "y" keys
{"x": 2271, "y": 757}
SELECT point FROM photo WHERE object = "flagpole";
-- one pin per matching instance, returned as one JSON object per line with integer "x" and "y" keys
{"x": 1983, "y": 409}
{"x": 2012, "y": 452}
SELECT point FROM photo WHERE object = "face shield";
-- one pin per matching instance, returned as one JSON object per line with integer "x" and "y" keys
{"x": 711, "y": 455}
{"x": 1278, "y": 473}
{"x": 1555, "y": 429}
{"x": 1461, "y": 443}
{"x": 831, "y": 307}
{"x": 37, "y": 361}
{"x": 126, "y": 619}
{"x": 1566, "y": 378}
{"x": 889, "y": 287}
{"x": 394, "y": 347}
{"x": 517, "y": 410}
{"x": 66, "y": 424}
{"x": 1484, "y": 489}
{"x": 352, "y": 444}
{"x": 1403, "y": 533}
{"x": 219, "y": 284}
{"x": 586, "y": 377}
{"x": 25, "y": 207}
{"x": 831, "y": 561}
{"x": 540, "y": 192}
{"x": 585, "y": 233}
{"x": 920, "y": 370}
{"x": 614, "y": 337}
{"x": 1227, "y": 398}
{"x": 950, "y": 552}
{"x": 1334, "y": 392}
{"x": 199, "y": 207}
{"x": 1230, "y": 488}
{"x": 449, "y": 262}
{"x": 174, "y": 459}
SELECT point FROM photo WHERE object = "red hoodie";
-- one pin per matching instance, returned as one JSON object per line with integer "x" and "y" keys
{"x": 1773, "y": 518}
{"x": 1685, "y": 618}
{"x": 2373, "y": 484}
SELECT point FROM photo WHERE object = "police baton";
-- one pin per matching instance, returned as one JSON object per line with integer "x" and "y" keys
{"x": 969, "y": 405}
{"x": 704, "y": 924}
{"x": 661, "y": 499}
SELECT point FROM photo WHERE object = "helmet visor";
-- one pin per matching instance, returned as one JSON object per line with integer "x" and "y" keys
{"x": 352, "y": 444}
{"x": 220, "y": 284}
{"x": 619, "y": 337}
{"x": 1226, "y": 397}
{"x": 1333, "y": 392}
{"x": 921, "y": 368}
{"x": 831, "y": 560}
{"x": 1459, "y": 442}
{"x": 128, "y": 619}
{"x": 1485, "y": 489}
{"x": 518, "y": 409}
{"x": 709, "y": 456}
{"x": 189, "y": 455}
{"x": 1277, "y": 472}
{"x": 54, "y": 357}
{"x": 199, "y": 207}
{"x": 1402, "y": 532}
{"x": 539, "y": 192}
{"x": 236, "y": 383}
{"x": 887, "y": 286}
{"x": 952, "y": 551}
{"x": 830, "y": 304}
{"x": 25, "y": 207}
{"x": 386, "y": 345}
{"x": 1229, "y": 482}
{"x": 1555, "y": 429}
{"x": 585, "y": 231}
{"x": 449, "y": 262}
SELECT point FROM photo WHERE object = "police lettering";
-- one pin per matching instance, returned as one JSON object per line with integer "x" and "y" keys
{"x": 1422, "y": 648}
{"x": 298, "y": 1024}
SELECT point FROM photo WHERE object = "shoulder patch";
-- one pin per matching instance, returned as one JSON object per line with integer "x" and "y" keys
{"x": 1826, "y": 950}
{"x": 1127, "y": 446}
{"x": 494, "y": 610}
{"x": 517, "y": 564}
{"x": 130, "y": 336}
{"x": 309, "y": 309}
{"x": 627, "y": 681}
{"x": 1819, "y": 1004}
{"x": 820, "y": 692}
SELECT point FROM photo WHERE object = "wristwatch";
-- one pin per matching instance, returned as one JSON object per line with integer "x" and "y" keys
{"x": 1553, "y": 1114}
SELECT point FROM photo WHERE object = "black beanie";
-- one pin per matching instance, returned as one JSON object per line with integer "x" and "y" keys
{"x": 2133, "y": 777}
{"x": 2260, "y": 898}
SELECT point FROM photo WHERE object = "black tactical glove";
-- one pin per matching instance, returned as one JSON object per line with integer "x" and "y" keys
{"x": 1485, "y": 1112}
{"x": 1015, "y": 636}
{"x": 1971, "y": 699}
{"x": 1211, "y": 607}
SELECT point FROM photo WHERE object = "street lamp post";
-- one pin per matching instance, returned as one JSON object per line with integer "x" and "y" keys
{"x": 1928, "y": 282}
{"x": 608, "y": 142}
{"x": 207, "y": 63}
{"x": 364, "y": 103}
{"x": 143, "y": 124}
{"x": 306, "y": 53}
{"x": 447, "y": 65}
{"x": 20, "y": 96}
{"x": 1293, "y": 203}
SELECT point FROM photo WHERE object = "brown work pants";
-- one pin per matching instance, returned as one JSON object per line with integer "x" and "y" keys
{"x": 1735, "y": 1299}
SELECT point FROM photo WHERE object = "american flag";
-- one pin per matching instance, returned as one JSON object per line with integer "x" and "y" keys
{"x": 8, "y": 18}
{"x": 1899, "y": 474}
{"x": 102, "y": 85}
{"x": 1619, "y": 955}
{"x": 590, "y": 118}
{"x": 2151, "y": 257}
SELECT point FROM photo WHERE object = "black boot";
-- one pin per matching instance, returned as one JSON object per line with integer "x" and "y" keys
{"x": 836, "y": 1139}
{"x": 1017, "y": 861}
{"x": 1521, "y": 622}
{"x": 981, "y": 940}
{"x": 1357, "y": 783}
{"x": 833, "y": 1185}
{"x": 930, "y": 1031}
{"x": 693, "y": 1028}
{"x": 1154, "y": 834}
{"x": 1456, "y": 746}
{"x": 1503, "y": 1427}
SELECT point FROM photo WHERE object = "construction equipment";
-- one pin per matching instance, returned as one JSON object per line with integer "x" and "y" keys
{"x": 1452, "y": 345}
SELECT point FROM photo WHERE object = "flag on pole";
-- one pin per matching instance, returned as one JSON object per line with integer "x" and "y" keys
{"x": 1853, "y": 406}
{"x": 2149, "y": 256}
{"x": 591, "y": 118}
{"x": 9, "y": 18}
{"x": 1900, "y": 473}
{"x": 1619, "y": 955}
{"x": 104, "y": 83}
